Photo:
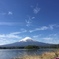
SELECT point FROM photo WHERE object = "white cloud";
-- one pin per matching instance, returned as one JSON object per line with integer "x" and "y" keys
{"x": 10, "y": 13}
{"x": 12, "y": 35}
{"x": 48, "y": 38}
{"x": 52, "y": 40}
{"x": 36, "y": 36}
{"x": 29, "y": 21}
{"x": 53, "y": 35}
{"x": 6, "y": 13}
{"x": 9, "y": 38}
{"x": 36, "y": 9}
{"x": 49, "y": 27}
{"x": 7, "y": 23}
{"x": 33, "y": 17}
{"x": 23, "y": 30}
{"x": 15, "y": 33}
{"x": 40, "y": 28}
{"x": 11, "y": 23}
{"x": 7, "y": 41}
{"x": 52, "y": 26}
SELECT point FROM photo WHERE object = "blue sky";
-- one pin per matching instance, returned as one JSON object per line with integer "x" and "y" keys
{"x": 38, "y": 19}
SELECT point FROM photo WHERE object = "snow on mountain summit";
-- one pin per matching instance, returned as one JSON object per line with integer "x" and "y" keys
{"x": 26, "y": 39}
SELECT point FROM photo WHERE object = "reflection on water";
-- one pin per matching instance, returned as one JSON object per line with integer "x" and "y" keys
{"x": 11, "y": 53}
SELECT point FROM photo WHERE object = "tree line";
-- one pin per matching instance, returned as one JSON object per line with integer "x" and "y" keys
{"x": 32, "y": 47}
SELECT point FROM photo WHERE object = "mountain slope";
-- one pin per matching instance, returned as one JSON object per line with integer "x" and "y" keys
{"x": 25, "y": 42}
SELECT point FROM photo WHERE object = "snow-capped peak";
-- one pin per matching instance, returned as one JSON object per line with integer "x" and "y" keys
{"x": 26, "y": 39}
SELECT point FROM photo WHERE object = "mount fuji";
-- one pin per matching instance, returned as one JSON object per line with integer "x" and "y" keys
{"x": 25, "y": 42}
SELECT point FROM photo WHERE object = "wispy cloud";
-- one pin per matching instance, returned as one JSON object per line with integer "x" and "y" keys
{"x": 6, "y": 13}
{"x": 50, "y": 27}
{"x": 36, "y": 36}
{"x": 6, "y": 23}
{"x": 53, "y": 35}
{"x": 12, "y": 35}
{"x": 15, "y": 33}
{"x": 36, "y": 9}
{"x": 51, "y": 38}
{"x": 40, "y": 28}
{"x": 11, "y": 23}
{"x": 10, "y": 13}
{"x": 29, "y": 21}
{"x": 23, "y": 30}
{"x": 4, "y": 41}
{"x": 48, "y": 38}
{"x": 33, "y": 18}
{"x": 9, "y": 38}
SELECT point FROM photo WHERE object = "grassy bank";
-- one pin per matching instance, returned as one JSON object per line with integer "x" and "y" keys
{"x": 46, "y": 55}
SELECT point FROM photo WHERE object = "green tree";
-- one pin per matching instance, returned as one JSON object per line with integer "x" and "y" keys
{"x": 31, "y": 47}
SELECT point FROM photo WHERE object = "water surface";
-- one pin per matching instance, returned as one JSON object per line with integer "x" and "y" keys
{"x": 12, "y": 53}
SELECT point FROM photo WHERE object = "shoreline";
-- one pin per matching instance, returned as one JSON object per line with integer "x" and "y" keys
{"x": 45, "y": 55}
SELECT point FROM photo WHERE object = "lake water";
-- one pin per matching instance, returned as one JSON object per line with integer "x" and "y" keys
{"x": 12, "y": 53}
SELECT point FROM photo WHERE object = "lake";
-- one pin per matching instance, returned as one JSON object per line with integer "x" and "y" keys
{"x": 11, "y": 53}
